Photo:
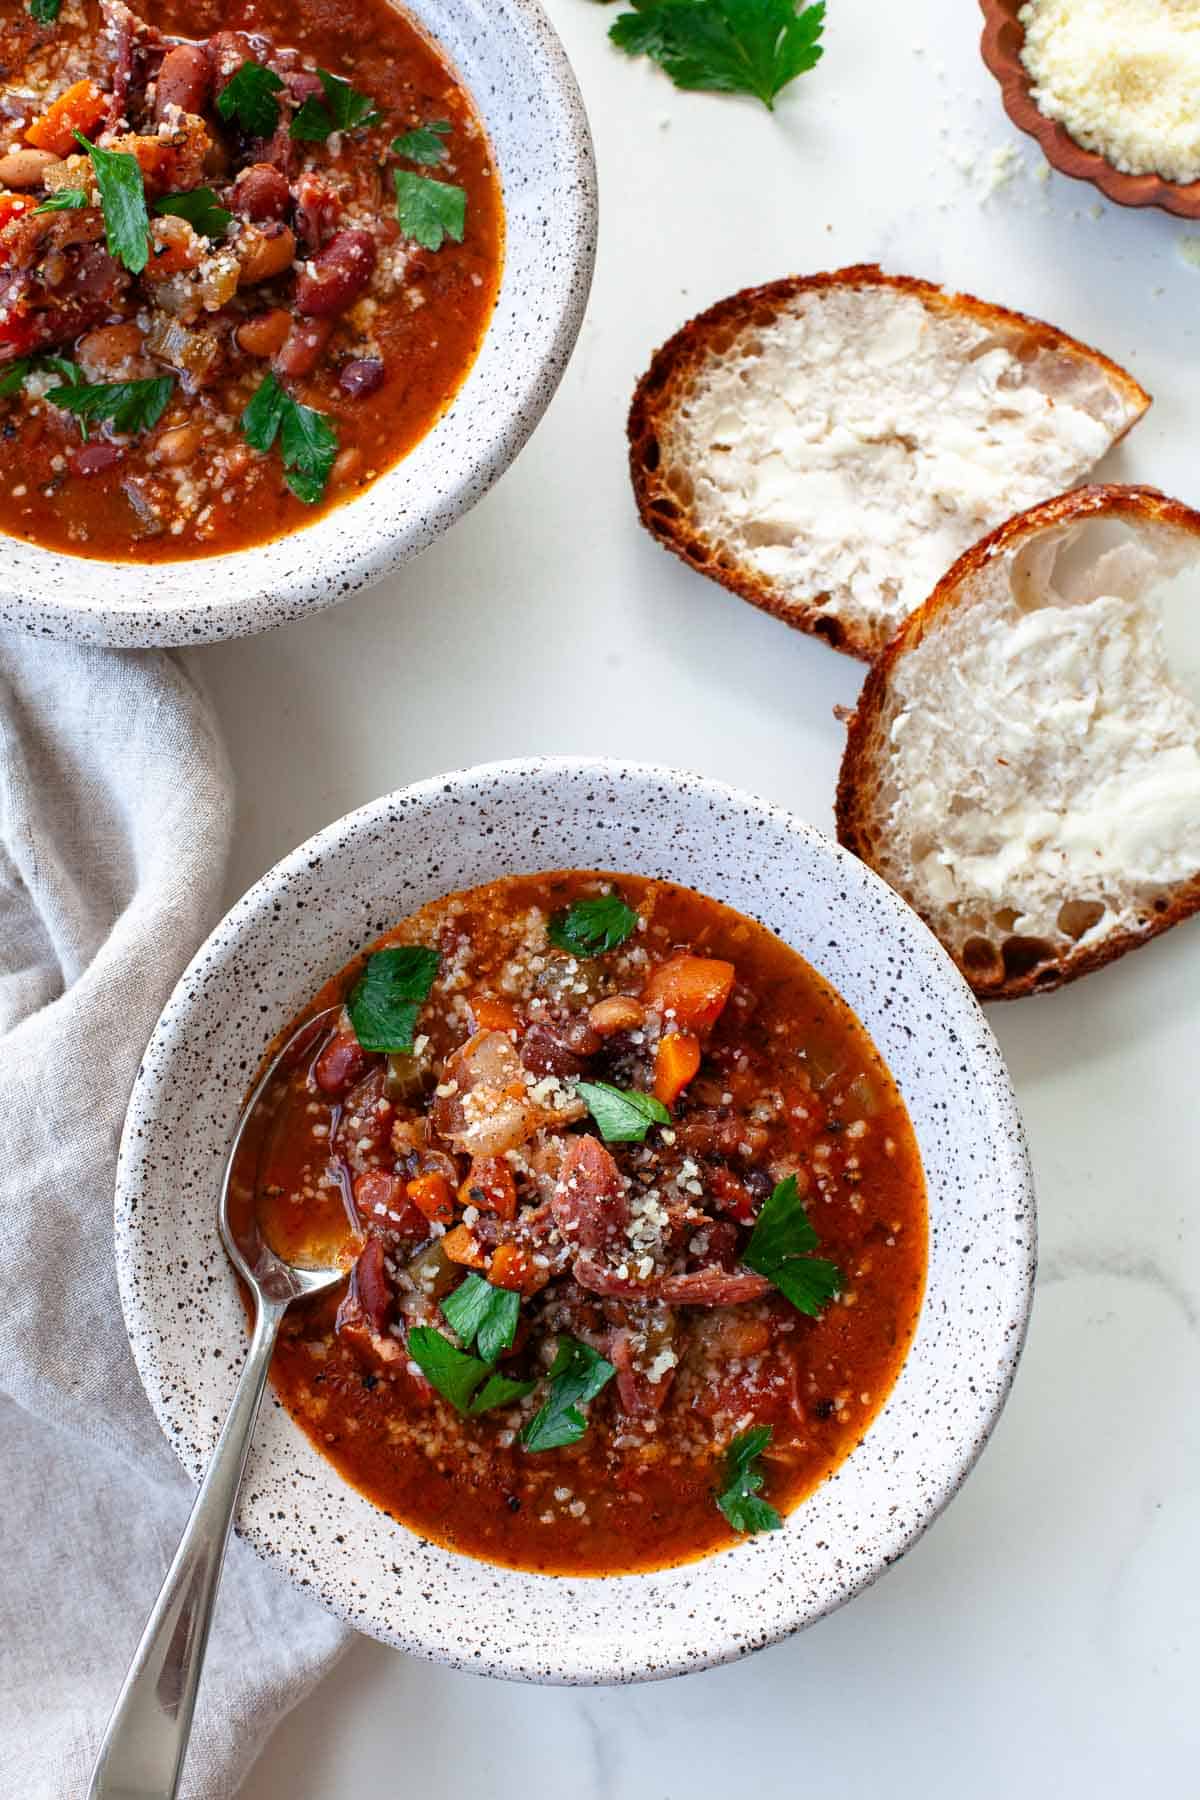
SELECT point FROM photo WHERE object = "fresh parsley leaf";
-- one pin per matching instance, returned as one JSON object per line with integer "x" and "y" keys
{"x": 343, "y": 109}
{"x": 738, "y": 1498}
{"x": 129, "y": 405}
{"x": 780, "y": 1248}
{"x": 388, "y": 995}
{"x": 15, "y": 373}
{"x": 44, "y": 12}
{"x": 576, "y": 1375}
{"x": 65, "y": 200}
{"x": 123, "y": 202}
{"x": 200, "y": 207}
{"x": 590, "y": 927}
{"x": 249, "y": 98}
{"x": 430, "y": 211}
{"x": 424, "y": 143}
{"x": 309, "y": 445}
{"x": 725, "y": 46}
{"x": 468, "y": 1384}
{"x": 623, "y": 1115}
{"x": 483, "y": 1314}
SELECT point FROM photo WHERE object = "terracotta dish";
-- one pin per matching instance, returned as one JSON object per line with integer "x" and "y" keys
{"x": 1003, "y": 37}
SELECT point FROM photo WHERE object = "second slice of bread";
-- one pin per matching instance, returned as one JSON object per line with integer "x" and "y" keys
{"x": 1024, "y": 762}
{"x": 827, "y": 446}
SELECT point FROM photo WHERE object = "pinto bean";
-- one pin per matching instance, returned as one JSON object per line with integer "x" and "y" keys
{"x": 261, "y": 192}
{"x": 620, "y": 1012}
{"x": 25, "y": 168}
{"x": 109, "y": 351}
{"x": 337, "y": 275}
{"x": 179, "y": 444}
{"x": 265, "y": 333}
{"x": 264, "y": 251}
{"x": 362, "y": 377}
{"x": 346, "y": 465}
{"x": 304, "y": 347}
{"x": 183, "y": 80}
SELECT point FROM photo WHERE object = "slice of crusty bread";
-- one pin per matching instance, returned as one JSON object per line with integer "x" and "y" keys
{"x": 826, "y": 446}
{"x": 1024, "y": 763}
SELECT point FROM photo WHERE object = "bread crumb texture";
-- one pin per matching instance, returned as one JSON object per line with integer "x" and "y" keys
{"x": 1039, "y": 753}
{"x": 1122, "y": 77}
{"x": 843, "y": 451}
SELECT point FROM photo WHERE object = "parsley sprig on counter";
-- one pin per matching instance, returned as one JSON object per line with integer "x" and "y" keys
{"x": 123, "y": 202}
{"x": 623, "y": 1115}
{"x": 738, "y": 1499}
{"x": 781, "y": 1247}
{"x": 343, "y": 109}
{"x": 309, "y": 445}
{"x": 590, "y": 927}
{"x": 387, "y": 997}
{"x": 248, "y": 99}
{"x": 725, "y": 46}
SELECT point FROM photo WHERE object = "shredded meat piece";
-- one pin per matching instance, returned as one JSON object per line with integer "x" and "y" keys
{"x": 638, "y": 1394}
{"x": 699, "y": 1287}
{"x": 591, "y": 1202}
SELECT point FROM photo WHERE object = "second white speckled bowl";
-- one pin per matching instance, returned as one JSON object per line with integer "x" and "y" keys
{"x": 518, "y": 75}
{"x": 301, "y": 923}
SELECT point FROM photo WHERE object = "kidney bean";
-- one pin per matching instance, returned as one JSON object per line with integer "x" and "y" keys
{"x": 342, "y": 1061}
{"x": 264, "y": 251}
{"x": 94, "y": 459}
{"x": 304, "y": 346}
{"x": 360, "y": 378}
{"x": 339, "y": 273}
{"x": 261, "y": 192}
{"x": 183, "y": 80}
{"x": 302, "y": 86}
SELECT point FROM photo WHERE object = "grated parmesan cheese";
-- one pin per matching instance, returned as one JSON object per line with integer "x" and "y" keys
{"x": 1122, "y": 77}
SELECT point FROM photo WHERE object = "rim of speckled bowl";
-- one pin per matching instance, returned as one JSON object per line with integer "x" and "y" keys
{"x": 300, "y": 923}
{"x": 509, "y": 58}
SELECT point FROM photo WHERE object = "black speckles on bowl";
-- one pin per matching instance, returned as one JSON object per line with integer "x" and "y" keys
{"x": 515, "y": 68}
{"x": 301, "y": 923}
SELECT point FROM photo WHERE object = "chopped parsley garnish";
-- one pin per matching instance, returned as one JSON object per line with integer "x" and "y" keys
{"x": 623, "y": 1114}
{"x": 343, "y": 109}
{"x": 577, "y": 1375}
{"x": 65, "y": 200}
{"x": 738, "y": 1499}
{"x": 44, "y": 12}
{"x": 123, "y": 202}
{"x": 249, "y": 98}
{"x": 590, "y": 927}
{"x": 483, "y": 1315}
{"x": 388, "y": 995}
{"x": 309, "y": 445}
{"x": 129, "y": 406}
{"x": 200, "y": 207}
{"x": 471, "y": 1386}
{"x": 725, "y": 46}
{"x": 423, "y": 144}
{"x": 781, "y": 1247}
{"x": 430, "y": 211}
{"x": 15, "y": 373}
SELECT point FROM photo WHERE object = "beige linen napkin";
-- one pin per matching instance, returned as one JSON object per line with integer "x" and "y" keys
{"x": 115, "y": 819}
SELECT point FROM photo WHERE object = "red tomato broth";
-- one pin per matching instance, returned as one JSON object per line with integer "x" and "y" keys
{"x": 636, "y": 1492}
{"x": 156, "y": 497}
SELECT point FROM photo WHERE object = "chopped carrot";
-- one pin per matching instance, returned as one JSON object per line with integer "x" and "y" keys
{"x": 80, "y": 108}
{"x": 460, "y": 1247}
{"x": 513, "y": 1268}
{"x": 693, "y": 989}
{"x": 491, "y": 1014}
{"x": 675, "y": 1063}
{"x": 432, "y": 1195}
{"x": 12, "y": 206}
{"x": 490, "y": 1186}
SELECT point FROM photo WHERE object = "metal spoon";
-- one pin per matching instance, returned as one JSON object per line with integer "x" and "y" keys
{"x": 141, "y": 1757}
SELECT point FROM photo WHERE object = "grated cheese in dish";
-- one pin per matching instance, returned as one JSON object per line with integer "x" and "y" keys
{"x": 1122, "y": 76}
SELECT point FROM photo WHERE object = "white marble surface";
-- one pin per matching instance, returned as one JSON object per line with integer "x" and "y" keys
{"x": 1045, "y": 1637}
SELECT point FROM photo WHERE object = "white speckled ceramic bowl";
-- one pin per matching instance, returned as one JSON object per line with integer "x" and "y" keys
{"x": 517, "y": 72}
{"x": 299, "y": 925}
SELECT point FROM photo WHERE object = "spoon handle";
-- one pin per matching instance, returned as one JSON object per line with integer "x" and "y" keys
{"x": 144, "y": 1745}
